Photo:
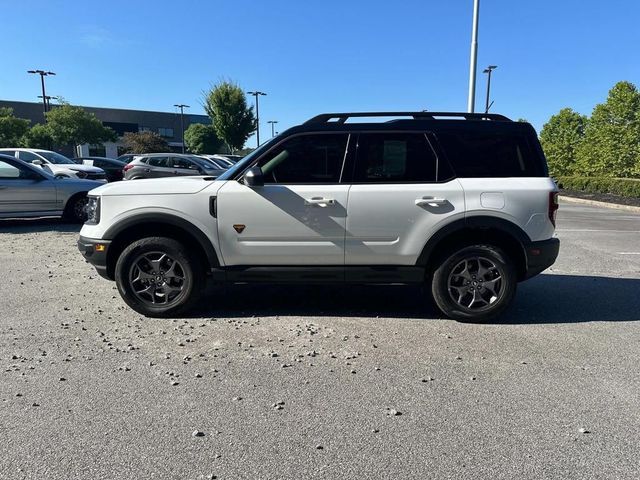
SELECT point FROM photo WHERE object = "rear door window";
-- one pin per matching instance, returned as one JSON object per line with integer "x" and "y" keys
{"x": 394, "y": 158}
{"x": 159, "y": 162}
{"x": 486, "y": 154}
{"x": 9, "y": 171}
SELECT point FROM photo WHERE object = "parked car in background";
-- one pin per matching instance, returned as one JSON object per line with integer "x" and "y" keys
{"x": 232, "y": 158}
{"x": 127, "y": 157}
{"x": 29, "y": 191}
{"x": 156, "y": 165}
{"x": 220, "y": 162}
{"x": 56, "y": 164}
{"x": 112, "y": 167}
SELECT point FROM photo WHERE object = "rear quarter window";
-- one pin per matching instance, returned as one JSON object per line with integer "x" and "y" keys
{"x": 488, "y": 154}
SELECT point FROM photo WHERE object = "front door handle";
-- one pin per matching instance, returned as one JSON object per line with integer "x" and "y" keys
{"x": 319, "y": 201}
{"x": 431, "y": 201}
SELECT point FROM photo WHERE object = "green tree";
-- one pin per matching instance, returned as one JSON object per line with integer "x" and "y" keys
{"x": 200, "y": 138}
{"x": 611, "y": 146}
{"x": 11, "y": 128}
{"x": 70, "y": 125}
{"x": 232, "y": 119}
{"x": 38, "y": 136}
{"x": 560, "y": 138}
{"x": 144, "y": 142}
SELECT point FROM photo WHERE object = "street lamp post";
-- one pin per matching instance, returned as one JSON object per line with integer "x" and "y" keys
{"x": 272, "y": 122}
{"x": 471, "y": 104}
{"x": 256, "y": 94}
{"x": 488, "y": 71}
{"x": 48, "y": 99}
{"x": 42, "y": 73}
{"x": 182, "y": 106}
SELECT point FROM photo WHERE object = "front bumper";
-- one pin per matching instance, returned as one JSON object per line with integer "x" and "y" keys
{"x": 95, "y": 252}
{"x": 541, "y": 255}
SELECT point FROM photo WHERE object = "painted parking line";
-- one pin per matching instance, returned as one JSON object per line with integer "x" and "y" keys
{"x": 628, "y": 253}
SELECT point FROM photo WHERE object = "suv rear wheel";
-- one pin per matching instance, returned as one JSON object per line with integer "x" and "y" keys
{"x": 157, "y": 277}
{"x": 474, "y": 284}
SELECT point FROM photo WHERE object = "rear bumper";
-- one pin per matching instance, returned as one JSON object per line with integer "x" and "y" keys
{"x": 540, "y": 256}
{"x": 95, "y": 252}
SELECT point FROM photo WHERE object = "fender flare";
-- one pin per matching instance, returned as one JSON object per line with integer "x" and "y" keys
{"x": 156, "y": 217}
{"x": 479, "y": 222}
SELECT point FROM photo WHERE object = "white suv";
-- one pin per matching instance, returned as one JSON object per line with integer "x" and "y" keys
{"x": 460, "y": 201}
{"x": 56, "y": 164}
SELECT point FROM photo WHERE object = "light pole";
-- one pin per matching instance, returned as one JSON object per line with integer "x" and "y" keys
{"x": 272, "y": 122}
{"x": 256, "y": 94}
{"x": 471, "y": 104}
{"x": 181, "y": 106}
{"x": 488, "y": 71}
{"x": 43, "y": 73}
{"x": 48, "y": 98}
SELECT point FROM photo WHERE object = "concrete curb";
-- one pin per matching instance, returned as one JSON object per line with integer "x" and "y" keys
{"x": 594, "y": 203}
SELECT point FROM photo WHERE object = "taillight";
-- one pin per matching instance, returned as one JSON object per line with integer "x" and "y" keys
{"x": 127, "y": 167}
{"x": 553, "y": 207}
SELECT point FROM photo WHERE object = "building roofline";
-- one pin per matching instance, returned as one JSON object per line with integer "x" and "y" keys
{"x": 107, "y": 108}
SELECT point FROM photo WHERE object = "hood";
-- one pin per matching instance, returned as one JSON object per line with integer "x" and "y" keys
{"x": 83, "y": 168}
{"x": 156, "y": 186}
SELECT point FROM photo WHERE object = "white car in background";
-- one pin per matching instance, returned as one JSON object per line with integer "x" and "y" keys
{"x": 56, "y": 164}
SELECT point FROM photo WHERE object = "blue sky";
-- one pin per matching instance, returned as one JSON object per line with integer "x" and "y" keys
{"x": 318, "y": 56}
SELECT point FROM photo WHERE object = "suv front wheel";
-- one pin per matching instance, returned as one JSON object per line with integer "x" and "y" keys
{"x": 157, "y": 277}
{"x": 474, "y": 284}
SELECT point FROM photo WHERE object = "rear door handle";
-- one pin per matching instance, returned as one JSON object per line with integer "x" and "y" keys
{"x": 432, "y": 201}
{"x": 319, "y": 201}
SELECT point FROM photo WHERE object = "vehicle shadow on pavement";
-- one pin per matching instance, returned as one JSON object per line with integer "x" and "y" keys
{"x": 550, "y": 298}
{"x": 33, "y": 225}
{"x": 316, "y": 300}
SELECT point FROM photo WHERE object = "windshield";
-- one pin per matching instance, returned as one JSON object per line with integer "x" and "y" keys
{"x": 247, "y": 160}
{"x": 56, "y": 158}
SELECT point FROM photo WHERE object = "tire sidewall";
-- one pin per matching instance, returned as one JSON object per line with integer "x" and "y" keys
{"x": 70, "y": 210}
{"x": 440, "y": 287}
{"x": 175, "y": 250}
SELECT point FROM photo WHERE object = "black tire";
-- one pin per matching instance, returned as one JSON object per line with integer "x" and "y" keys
{"x": 75, "y": 211}
{"x": 131, "y": 263}
{"x": 463, "y": 271}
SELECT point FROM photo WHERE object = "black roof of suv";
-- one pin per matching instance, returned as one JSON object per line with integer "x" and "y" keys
{"x": 469, "y": 144}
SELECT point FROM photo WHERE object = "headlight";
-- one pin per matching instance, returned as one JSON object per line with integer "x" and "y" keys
{"x": 93, "y": 210}
{"x": 80, "y": 174}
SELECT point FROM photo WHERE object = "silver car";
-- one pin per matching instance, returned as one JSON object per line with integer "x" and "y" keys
{"x": 29, "y": 191}
{"x": 156, "y": 165}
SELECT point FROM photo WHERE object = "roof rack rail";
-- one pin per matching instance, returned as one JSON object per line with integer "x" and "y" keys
{"x": 343, "y": 117}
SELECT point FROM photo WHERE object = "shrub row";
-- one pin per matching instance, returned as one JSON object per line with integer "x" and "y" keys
{"x": 626, "y": 187}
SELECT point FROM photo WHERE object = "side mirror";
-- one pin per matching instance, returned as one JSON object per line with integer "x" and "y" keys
{"x": 37, "y": 162}
{"x": 254, "y": 177}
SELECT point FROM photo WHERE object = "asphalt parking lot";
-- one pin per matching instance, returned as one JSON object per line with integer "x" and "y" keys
{"x": 322, "y": 382}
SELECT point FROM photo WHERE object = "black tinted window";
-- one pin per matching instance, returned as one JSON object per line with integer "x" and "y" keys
{"x": 306, "y": 159}
{"x": 394, "y": 157}
{"x": 479, "y": 154}
{"x": 181, "y": 162}
{"x": 159, "y": 162}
